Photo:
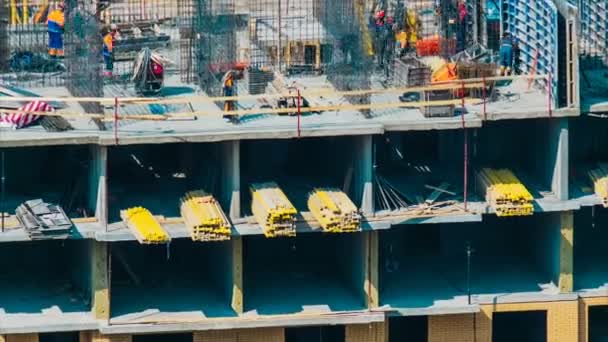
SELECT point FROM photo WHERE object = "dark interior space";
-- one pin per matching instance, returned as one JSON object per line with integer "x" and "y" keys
{"x": 71, "y": 336}
{"x": 408, "y": 329}
{"x": 181, "y": 276}
{"x": 297, "y": 166}
{"x": 588, "y": 146}
{"x": 598, "y": 329}
{"x": 508, "y": 255}
{"x": 157, "y": 176}
{"x": 327, "y": 333}
{"x": 44, "y": 274}
{"x": 408, "y": 162}
{"x": 289, "y": 275}
{"x": 56, "y": 174}
{"x": 163, "y": 338}
{"x": 529, "y": 151}
{"x": 590, "y": 254}
{"x": 526, "y": 326}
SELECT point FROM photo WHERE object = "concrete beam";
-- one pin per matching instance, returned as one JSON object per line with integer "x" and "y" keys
{"x": 100, "y": 282}
{"x": 566, "y": 254}
{"x": 363, "y": 161}
{"x": 231, "y": 184}
{"x": 370, "y": 262}
{"x": 237, "y": 275}
{"x": 559, "y": 180}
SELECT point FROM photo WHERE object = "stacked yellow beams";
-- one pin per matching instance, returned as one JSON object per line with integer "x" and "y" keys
{"x": 335, "y": 212}
{"x": 204, "y": 217}
{"x": 144, "y": 226}
{"x": 599, "y": 177}
{"x": 505, "y": 193}
{"x": 272, "y": 210}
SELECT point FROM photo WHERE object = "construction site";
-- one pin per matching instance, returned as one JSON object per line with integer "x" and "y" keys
{"x": 303, "y": 171}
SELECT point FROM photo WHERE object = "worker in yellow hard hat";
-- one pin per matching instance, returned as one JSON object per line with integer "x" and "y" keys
{"x": 55, "y": 27}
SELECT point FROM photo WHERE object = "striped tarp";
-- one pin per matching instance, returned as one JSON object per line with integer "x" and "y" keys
{"x": 25, "y": 118}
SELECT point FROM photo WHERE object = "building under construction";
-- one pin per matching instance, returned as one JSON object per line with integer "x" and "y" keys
{"x": 303, "y": 171}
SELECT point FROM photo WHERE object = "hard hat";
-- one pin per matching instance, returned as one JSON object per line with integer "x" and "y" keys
{"x": 380, "y": 14}
{"x": 389, "y": 20}
{"x": 61, "y": 5}
{"x": 113, "y": 27}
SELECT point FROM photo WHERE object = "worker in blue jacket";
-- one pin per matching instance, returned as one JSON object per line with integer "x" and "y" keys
{"x": 506, "y": 54}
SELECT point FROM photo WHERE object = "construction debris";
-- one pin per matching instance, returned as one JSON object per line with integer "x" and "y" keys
{"x": 144, "y": 226}
{"x": 43, "y": 220}
{"x": 599, "y": 177}
{"x": 505, "y": 193}
{"x": 334, "y": 211}
{"x": 273, "y": 210}
{"x": 204, "y": 217}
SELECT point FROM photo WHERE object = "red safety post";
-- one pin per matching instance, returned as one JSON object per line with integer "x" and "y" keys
{"x": 299, "y": 112}
{"x": 483, "y": 94}
{"x": 116, "y": 121}
{"x": 466, "y": 153}
{"x": 549, "y": 95}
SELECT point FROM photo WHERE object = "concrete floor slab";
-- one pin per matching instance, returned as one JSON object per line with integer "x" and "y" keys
{"x": 47, "y": 322}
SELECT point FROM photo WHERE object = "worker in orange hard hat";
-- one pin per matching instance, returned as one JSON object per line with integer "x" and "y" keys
{"x": 108, "y": 50}
{"x": 55, "y": 27}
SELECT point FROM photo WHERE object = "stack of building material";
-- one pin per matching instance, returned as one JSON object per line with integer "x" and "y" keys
{"x": 410, "y": 72}
{"x": 505, "y": 193}
{"x": 334, "y": 211}
{"x": 599, "y": 177}
{"x": 204, "y": 217}
{"x": 144, "y": 226}
{"x": 272, "y": 210}
{"x": 43, "y": 220}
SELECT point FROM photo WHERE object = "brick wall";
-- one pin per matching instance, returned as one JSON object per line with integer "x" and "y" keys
{"x": 373, "y": 332}
{"x": 97, "y": 337}
{"x": 241, "y": 335}
{"x": 21, "y": 338}
{"x": 562, "y": 322}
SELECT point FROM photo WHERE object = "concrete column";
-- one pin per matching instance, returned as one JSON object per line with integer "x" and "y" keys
{"x": 566, "y": 254}
{"x": 372, "y": 332}
{"x": 370, "y": 262}
{"x": 21, "y": 338}
{"x": 363, "y": 161}
{"x": 231, "y": 183}
{"x": 237, "y": 275}
{"x": 460, "y": 327}
{"x": 559, "y": 180}
{"x": 98, "y": 171}
{"x": 100, "y": 282}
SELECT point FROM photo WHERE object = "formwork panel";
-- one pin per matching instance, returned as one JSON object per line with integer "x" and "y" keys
{"x": 184, "y": 278}
{"x": 46, "y": 274}
{"x": 286, "y": 275}
{"x": 158, "y": 176}
{"x": 427, "y": 266}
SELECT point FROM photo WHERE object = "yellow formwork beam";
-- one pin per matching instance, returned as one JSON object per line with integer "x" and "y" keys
{"x": 505, "y": 192}
{"x": 144, "y": 226}
{"x": 334, "y": 211}
{"x": 599, "y": 177}
{"x": 204, "y": 217}
{"x": 272, "y": 210}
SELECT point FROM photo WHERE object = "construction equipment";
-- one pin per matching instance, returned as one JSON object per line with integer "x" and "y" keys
{"x": 148, "y": 72}
{"x": 599, "y": 177}
{"x": 272, "y": 210}
{"x": 204, "y": 217}
{"x": 43, "y": 220}
{"x": 505, "y": 193}
{"x": 144, "y": 226}
{"x": 334, "y": 211}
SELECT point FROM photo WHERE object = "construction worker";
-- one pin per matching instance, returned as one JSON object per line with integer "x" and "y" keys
{"x": 228, "y": 90}
{"x": 108, "y": 50}
{"x": 462, "y": 25}
{"x": 55, "y": 26}
{"x": 506, "y": 54}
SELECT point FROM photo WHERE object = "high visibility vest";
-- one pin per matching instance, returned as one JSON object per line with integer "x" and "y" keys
{"x": 108, "y": 44}
{"x": 55, "y": 21}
